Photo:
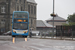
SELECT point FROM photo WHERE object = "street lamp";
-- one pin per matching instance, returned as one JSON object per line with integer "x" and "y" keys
{"x": 53, "y": 15}
{"x": 53, "y": 18}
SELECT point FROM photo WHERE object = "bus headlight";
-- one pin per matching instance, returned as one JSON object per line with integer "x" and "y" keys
{"x": 25, "y": 31}
{"x": 14, "y": 31}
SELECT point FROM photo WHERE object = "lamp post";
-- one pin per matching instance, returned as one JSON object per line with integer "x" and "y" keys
{"x": 53, "y": 18}
{"x": 53, "y": 15}
{"x": 53, "y": 6}
{"x": 6, "y": 22}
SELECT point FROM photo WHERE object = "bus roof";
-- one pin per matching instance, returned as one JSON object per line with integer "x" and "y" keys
{"x": 20, "y": 11}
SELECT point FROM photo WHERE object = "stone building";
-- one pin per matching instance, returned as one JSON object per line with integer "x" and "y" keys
{"x": 57, "y": 21}
{"x": 8, "y": 6}
{"x": 4, "y": 15}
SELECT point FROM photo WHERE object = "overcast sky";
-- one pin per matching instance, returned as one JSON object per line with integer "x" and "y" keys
{"x": 62, "y": 7}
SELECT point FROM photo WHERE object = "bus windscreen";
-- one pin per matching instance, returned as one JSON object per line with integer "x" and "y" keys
{"x": 20, "y": 15}
{"x": 20, "y": 26}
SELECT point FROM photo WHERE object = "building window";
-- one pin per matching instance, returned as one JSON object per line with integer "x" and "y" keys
{"x": 31, "y": 9}
{"x": 21, "y": 9}
{"x": 6, "y": 0}
{"x": 35, "y": 10}
{"x": 24, "y": 1}
{"x": 31, "y": 22}
{"x": 16, "y": 0}
{"x": 3, "y": 9}
{"x": 24, "y": 4}
{"x": 2, "y": 21}
{"x": 17, "y": 8}
{"x": 20, "y": 1}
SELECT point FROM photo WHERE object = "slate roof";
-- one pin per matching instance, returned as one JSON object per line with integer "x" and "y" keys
{"x": 57, "y": 18}
{"x": 40, "y": 23}
{"x": 32, "y": 1}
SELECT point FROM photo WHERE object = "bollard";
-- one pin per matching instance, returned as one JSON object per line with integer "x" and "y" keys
{"x": 72, "y": 35}
{"x": 61, "y": 35}
{"x": 41, "y": 35}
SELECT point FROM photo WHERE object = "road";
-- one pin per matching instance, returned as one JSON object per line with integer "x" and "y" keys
{"x": 37, "y": 44}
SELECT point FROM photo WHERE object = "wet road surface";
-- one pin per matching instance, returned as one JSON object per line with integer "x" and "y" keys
{"x": 37, "y": 44}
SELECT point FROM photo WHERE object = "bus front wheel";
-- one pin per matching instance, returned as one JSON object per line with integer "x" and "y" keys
{"x": 13, "y": 36}
{"x": 25, "y": 36}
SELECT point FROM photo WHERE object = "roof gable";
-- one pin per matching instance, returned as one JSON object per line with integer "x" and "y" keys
{"x": 57, "y": 18}
{"x": 41, "y": 23}
{"x": 32, "y": 1}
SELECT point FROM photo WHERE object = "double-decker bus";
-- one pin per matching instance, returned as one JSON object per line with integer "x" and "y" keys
{"x": 20, "y": 23}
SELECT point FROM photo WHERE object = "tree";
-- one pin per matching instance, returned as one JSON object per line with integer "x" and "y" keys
{"x": 71, "y": 18}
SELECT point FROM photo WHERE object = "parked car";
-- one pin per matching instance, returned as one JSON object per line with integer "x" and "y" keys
{"x": 7, "y": 33}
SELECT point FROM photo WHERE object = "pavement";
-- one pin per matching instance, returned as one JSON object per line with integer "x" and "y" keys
{"x": 37, "y": 44}
{"x": 5, "y": 38}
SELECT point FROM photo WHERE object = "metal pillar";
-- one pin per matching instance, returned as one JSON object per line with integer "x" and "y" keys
{"x": 53, "y": 18}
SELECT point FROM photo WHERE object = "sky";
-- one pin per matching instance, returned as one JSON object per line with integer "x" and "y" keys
{"x": 62, "y": 7}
